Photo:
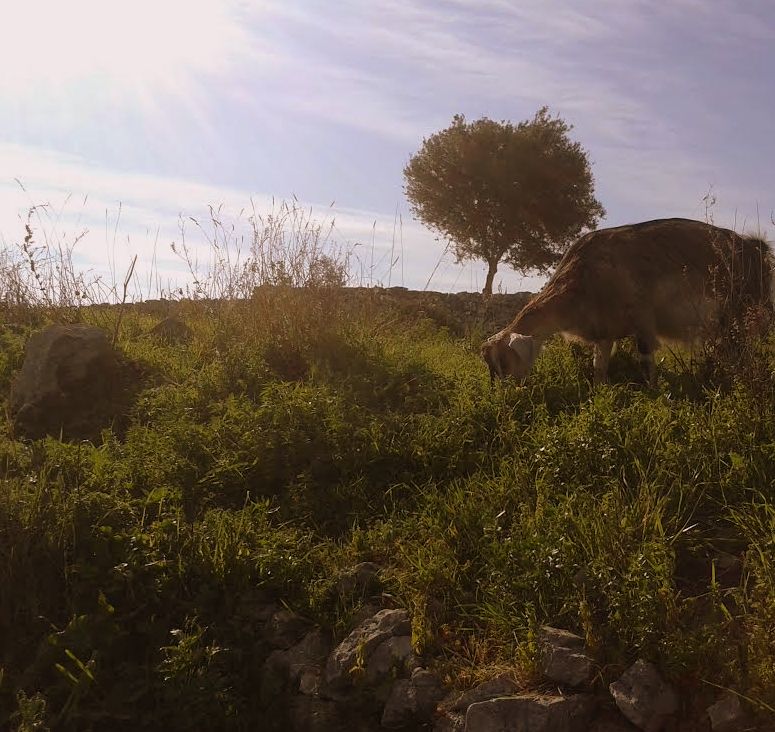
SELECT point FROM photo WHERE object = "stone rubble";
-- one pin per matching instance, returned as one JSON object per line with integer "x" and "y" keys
{"x": 373, "y": 680}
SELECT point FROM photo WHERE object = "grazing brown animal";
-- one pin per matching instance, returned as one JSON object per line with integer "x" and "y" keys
{"x": 664, "y": 280}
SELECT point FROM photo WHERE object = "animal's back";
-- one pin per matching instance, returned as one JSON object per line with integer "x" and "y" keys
{"x": 665, "y": 277}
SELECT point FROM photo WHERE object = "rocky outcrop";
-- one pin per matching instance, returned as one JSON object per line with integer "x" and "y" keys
{"x": 374, "y": 680}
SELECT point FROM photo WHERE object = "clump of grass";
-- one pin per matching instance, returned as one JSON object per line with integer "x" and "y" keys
{"x": 39, "y": 280}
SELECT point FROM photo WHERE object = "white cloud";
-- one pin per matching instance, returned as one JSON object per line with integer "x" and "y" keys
{"x": 397, "y": 69}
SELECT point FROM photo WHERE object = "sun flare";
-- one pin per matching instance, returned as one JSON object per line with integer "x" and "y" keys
{"x": 142, "y": 42}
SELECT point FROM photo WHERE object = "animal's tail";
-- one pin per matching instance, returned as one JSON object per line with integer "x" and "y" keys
{"x": 758, "y": 273}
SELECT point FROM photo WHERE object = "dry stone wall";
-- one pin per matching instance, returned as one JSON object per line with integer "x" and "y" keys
{"x": 460, "y": 312}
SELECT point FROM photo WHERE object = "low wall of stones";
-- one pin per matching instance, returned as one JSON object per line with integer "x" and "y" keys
{"x": 460, "y": 312}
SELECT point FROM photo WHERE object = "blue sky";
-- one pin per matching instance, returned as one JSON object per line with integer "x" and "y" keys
{"x": 168, "y": 106}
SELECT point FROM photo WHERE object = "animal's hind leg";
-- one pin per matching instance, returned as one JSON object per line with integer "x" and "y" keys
{"x": 602, "y": 355}
{"x": 646, "y": 348}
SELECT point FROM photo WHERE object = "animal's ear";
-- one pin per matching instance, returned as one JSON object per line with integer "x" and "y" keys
{"x": 522, "y": 345}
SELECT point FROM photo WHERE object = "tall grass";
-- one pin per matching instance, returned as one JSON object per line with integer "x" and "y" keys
{"x": 287, "y": 247}
{"x": 284, "y": 247}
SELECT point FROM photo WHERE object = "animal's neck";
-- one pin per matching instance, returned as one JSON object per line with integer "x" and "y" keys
{"x": 541, "y": 321}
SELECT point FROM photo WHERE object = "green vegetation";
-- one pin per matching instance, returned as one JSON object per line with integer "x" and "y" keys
{"x": 501, "y": 192}
{"x": 303, "y": 431}
{"x": 306, "y": 428}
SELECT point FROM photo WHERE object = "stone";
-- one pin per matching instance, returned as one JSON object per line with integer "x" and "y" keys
{"x": 296, "y": 669}
{"x": 560, "y": 638}
{"x": 363, "y": 613}
{"x": 308, "y": 714}
{"x": 360, "y": 579}
{"x": 172, "y": 330}
{"x": 428, "y": 690}
{"x": 727, "y": 714}
{"x": 70, "y": 383}
{"x": 393, "y": 653}
{"x": 354, "y": 651}
{"x": 307, "y": 655}
{"x": 644, "y": 697}
{"x": 499, "y": 686}
{"x": 285, "y": 628}
{"x": 412, "y": 700}
{"x": 310, "y": 681}
{"x": 563, "y": 657}
{"x": 531, "y": 714}
{"x": 449, "y": 722}
{"x": 612, "y": 722}
{"x": 400, "y": 707}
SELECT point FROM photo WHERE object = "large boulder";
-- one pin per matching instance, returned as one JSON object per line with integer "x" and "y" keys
{"x": 71, "y": 383}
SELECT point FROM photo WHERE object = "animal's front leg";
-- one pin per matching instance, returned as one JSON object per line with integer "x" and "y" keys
{"x": 646, "y": 348}
{"x": 602, "y": 355}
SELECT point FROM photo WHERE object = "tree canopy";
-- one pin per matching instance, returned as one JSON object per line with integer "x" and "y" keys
{"x": 501, "y": 192}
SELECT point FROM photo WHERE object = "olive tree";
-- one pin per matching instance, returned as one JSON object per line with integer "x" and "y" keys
{"x": 501, "y": 192}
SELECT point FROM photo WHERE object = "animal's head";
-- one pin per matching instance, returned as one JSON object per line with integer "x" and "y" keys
{"x": 510, "y": 355}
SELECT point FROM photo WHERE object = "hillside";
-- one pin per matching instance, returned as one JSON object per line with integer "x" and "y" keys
{"x": 304, "y": 432}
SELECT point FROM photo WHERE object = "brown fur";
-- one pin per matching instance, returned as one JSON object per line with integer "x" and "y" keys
{"x": 663, "y": 280}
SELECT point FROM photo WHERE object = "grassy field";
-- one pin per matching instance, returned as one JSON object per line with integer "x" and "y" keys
{"x": 303, "y": 430}
{"x": 300, "y": 433}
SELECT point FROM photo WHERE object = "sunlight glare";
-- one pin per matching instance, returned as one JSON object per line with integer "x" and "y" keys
{"x": 140, "y": 42}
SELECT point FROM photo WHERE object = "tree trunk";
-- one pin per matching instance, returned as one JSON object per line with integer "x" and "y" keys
{"x": 492, "y": 268}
